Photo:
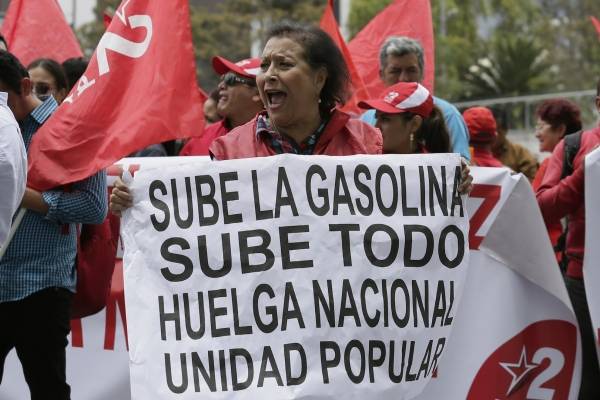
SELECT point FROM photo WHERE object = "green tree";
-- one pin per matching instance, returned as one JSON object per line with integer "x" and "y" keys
{"x": 89, "y": 34}
{"x": 456, "y": 44}
{"x": 514, "y": 65}
{"x": 572, "y": 41}
{"x": 362, "y": 11}
{"x": 466, "y": 31}
{"x": 215, "y": 34}
{"x": 228, "y": 29}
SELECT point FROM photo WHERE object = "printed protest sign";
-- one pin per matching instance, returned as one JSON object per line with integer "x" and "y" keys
{"x": 290, "y": 277}
{"x": 522, "y": 345}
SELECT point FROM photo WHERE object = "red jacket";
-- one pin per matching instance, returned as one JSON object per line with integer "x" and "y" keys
{"x": 342, "y": 137}
{"x": 559, "y": 198}
{"x": 198, "y": 146}
{"x": 555, "y": 228}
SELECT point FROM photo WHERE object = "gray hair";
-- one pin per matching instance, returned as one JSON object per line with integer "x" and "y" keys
{"x": 400, "y": 46}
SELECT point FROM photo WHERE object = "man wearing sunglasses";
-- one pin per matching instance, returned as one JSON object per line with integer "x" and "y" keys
{"x": 238, "y": 102}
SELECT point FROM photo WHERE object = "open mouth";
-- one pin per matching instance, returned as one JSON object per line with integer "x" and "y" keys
{"x": 275, "y": 98}
{"x": 222, "y": 99}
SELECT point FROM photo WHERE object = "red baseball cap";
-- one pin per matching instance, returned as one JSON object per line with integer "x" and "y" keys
{"x": 250, "y": 67}
{"x": 481, "y": 124}
{"x": 400, "y": 98}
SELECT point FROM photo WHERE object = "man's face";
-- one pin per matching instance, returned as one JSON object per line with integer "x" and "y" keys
{"x": 401, "y": 69}
{"x": 235, "y": 97}
{"x": 15, "y": 102}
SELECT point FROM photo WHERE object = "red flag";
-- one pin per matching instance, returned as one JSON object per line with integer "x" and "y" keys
{"x": 596, "y": 24}
{"x": 330, "y": 25}
{"x": 410, "y": 18}
{"x": 139, "y": 89}
{"x": 35, "y": 29}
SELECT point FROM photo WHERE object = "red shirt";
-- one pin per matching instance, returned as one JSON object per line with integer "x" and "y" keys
{"x": 485, "y": 158}
{"x": 565, "y": 197}
{"x": 198, "y": 146}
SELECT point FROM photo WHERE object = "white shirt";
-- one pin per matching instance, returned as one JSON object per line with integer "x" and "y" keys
{"x": 13, "y": 167}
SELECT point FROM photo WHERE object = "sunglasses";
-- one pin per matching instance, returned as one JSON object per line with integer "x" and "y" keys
{"x": 231, "y": 79}
{"x": 42, "y": 89}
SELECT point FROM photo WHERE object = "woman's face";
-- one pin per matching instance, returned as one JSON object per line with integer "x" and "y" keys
{"x": 44, "y": 85}
{"x": 288, "y": 86}
{"x": 396, "y": 131}
{"x": 547, "y": 135}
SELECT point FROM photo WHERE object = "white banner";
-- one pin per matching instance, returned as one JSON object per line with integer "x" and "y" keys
{"x": 288, "y": 277}
{"x": 515, "y": 335}
{"x": 514, "y": 338}
{"x": 591, "y": 258}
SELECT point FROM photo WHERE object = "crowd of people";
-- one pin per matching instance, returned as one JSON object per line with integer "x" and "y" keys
{"x": 286, "y": 101}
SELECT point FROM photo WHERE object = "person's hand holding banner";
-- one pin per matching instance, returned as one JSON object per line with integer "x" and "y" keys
{"x": 291, "y": 277}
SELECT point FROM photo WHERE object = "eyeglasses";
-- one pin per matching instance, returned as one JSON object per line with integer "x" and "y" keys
{"x": 541, "y": 126}
{"x": 231, "y": 79}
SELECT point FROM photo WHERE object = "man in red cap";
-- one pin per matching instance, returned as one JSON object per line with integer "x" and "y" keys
{"x": 238, "y": 102}
{"x": 482, "y": 131}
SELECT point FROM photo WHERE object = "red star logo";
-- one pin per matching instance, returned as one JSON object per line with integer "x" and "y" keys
{"x": 519, "y": 371}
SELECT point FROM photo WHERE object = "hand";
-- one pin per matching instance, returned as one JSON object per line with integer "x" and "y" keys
{"x": 33, "y": 200}
{"x": 120, "y": 198}
{"x": 466, "y": 179}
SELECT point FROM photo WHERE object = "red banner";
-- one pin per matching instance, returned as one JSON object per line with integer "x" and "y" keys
{"x": 139, "y": 89}
{"x": 410, "y": 18}
{"x": 35, "y": 29}
{"x": 359, "y": 92}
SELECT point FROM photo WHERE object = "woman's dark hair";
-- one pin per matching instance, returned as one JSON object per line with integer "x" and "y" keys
{"x": 53, "y": 68}
{"x": 320, "y": 51}
{"x": 74, "y": 68}
{"x": 12, "y": 71}
{"x": 557, "y": 112}
{"x": 433, "y": 133}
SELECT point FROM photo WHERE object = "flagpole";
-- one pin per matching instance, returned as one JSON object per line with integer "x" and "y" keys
{"x": 443, "y": 31}
{"x": 74, "y": 14}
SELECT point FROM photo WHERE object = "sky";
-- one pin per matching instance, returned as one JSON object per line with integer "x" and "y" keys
{"x": 84, "y": 10}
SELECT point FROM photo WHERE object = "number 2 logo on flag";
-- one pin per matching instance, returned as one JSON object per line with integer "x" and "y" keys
{"x": 111, "y": 41}
{"x": 537, "y": 364}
